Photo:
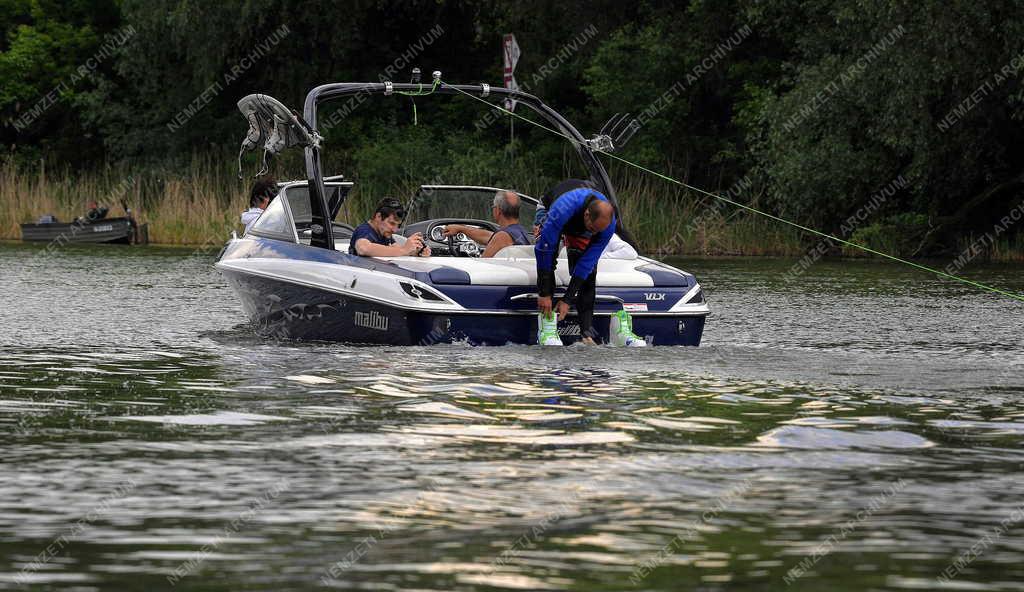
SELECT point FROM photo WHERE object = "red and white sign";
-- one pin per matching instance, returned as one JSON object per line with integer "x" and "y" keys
{"x": 510, "y": 51}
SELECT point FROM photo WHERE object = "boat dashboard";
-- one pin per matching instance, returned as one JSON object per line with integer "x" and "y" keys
{"x": 457, "y": 245}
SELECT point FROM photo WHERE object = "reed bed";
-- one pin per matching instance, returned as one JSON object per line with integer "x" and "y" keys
{"x": 25, "y": 196}
{"x": 199, "y": 203}
{"x": 199, "y": 207}
{"x": 195, "y": 206}
{"x": 670, "y": 220}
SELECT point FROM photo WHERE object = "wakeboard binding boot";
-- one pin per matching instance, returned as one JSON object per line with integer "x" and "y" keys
{"x": 547, "y": 330}
{"x": 620, "y": 331}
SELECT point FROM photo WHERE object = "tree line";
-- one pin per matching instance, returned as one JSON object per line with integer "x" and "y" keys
{"x": 904, "y": 116}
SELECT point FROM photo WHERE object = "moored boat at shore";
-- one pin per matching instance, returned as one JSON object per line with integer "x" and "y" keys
{"x": 107, "y": 230}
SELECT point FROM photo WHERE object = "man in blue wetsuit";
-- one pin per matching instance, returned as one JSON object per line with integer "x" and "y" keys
{"x": 585, "y": 219}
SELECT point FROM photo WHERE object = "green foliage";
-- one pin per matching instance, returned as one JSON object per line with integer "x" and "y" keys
{"x": 827, "y": 149}
{"x": 681, "y": 73}
{"x": 901, "y": 235}
{"x": 44, "y": 43}
{"x": 788, "y": 106}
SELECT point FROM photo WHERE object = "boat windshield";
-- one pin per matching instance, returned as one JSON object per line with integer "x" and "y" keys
{"x": 433, "y": 202}
{"x": 298, "y": 199}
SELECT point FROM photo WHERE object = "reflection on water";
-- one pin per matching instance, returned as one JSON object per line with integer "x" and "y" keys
{"x": 858, "y": 429}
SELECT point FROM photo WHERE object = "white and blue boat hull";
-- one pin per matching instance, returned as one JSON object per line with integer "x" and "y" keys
{"x": 291, "y": 291}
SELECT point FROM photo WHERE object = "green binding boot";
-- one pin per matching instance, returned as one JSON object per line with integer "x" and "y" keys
{"x": 547, "y": 330}
{"x": 620, "y": 331}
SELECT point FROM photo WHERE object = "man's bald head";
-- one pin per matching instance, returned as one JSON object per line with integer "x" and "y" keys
{"x": 599, "y": 215}
{"x": 507, "y": 204}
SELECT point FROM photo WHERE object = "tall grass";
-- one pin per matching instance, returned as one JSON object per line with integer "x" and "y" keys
{"x": 199, "y": 206}
{"x": 200, "y": 202}
{"x": 663, "y": 219}
{"x": 26, "y": 195}
{"x": 196, "y": 205}
{"x": 1002, "y": 249}
{"x": 667, "y": 219}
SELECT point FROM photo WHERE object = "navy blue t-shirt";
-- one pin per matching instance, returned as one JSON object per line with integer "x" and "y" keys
{"x": 366, "y": 231}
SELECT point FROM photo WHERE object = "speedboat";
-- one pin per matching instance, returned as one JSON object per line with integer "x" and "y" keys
{"x": 296, "y": 279}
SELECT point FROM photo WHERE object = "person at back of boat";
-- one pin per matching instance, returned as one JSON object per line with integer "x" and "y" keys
{"x": 260, "y": 196}
{"x": 505, "y": 212}
{"x": 586, "y": 220}
{"x": 616, "y": 249}
{"x": 376, "y": 236}
{"x": 94, "y": 212}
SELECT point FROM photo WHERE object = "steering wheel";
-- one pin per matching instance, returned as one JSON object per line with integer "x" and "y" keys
{"x": 455, "y": 248}
{"x": 463, "y": 248}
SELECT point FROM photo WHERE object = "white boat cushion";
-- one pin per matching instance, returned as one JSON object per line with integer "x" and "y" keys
{"x": 515, "y": 265}
{"x": 523, "y": 272}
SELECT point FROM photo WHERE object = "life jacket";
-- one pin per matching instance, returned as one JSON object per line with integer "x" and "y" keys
{"x": 575, "y": 233}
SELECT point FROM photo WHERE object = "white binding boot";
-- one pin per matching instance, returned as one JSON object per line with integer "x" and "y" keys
{"x": 547, "y": 330}
{"x": 620, "y": 331}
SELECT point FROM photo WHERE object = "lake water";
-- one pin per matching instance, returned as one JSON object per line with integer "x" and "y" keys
{"x": 857, "y": 428}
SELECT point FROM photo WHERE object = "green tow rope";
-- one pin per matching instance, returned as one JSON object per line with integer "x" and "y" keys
{"x": 1018, "y": 297}
{"x": 418, "y": 93}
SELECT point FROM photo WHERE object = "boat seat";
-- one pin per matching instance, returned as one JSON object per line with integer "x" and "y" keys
{"x": 522, "y": 252}
{"x": 342, "y": 231}
{"x": 515, "y": 265}
{"x": 526, "y": 252}
{"x": 515, "y": 252}
{"x": 523, "y": 271}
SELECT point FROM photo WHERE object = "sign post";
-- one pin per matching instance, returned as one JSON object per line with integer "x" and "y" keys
{"x": 510, "y": 54}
